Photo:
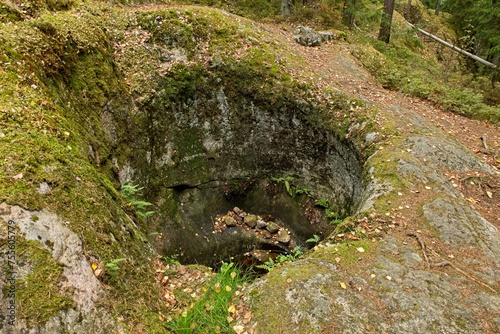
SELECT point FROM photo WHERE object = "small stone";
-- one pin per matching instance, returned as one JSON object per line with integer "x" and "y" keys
{"x": 261, "y": 224}
{"x": 266, "y": 234}
{"x": 237, "y": 210}
{"x": 229, "y": 221}
{"x": 44, "y": 188}
{"x": 272, "y": 227}
{"x": 18, "y": 176}
{"x": 283, "y": 236}
{"x": 251, "y": 220}
{"x": 260, "y": 255}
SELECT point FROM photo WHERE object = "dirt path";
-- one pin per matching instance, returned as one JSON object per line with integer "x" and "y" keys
{"x": 333, "y": 65}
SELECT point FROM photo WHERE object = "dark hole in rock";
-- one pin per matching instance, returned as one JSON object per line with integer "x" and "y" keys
{"x": 212, "y": 155}
{"x": 244, "y": 227}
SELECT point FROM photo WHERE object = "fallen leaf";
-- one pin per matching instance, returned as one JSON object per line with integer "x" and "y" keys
{"x": 231, "y": 309}
{"x": 337, "y": 259}
{"x": 388, "y": 277}
{"x": 490, "y": 194}
{"x": 98, "y": 272}
{"x": 238, "y": 329}
{"x": 342, "y": 285}
{"x": 360, "y": 249}
{"x": 18, "y": 176}
{"x": 228, "y": 288}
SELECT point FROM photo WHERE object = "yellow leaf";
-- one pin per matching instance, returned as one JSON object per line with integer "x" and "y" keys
{"x": 231, "y": 309}
{"x": 233, "y": 275}
{"x": 217, "y": 287}
{"x": 184, "y": 314}
{"x": 94, "y": 266}
{"x": 342, "y": 285}
{"x": 228, "y": 288}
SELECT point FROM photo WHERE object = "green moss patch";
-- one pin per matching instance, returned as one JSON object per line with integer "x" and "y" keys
{"x": 39, "y": 294}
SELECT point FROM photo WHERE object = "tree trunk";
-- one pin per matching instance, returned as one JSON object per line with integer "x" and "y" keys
{"x": 438, "y": 5}
{"x": 386, "y": 22}
{"x": 408, "y": 11}
{"x": 285, "y": 8}
{"x": 348, "y": 13}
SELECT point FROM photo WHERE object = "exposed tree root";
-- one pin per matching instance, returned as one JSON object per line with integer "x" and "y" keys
{"x": 444, "y": 263}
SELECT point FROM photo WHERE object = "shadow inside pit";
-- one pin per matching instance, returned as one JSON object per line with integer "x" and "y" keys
{"x": 243, "y": 221}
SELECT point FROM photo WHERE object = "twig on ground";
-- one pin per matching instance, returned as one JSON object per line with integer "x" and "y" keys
{"x": 444, "y": 263}
{"x": 483, "y": 138}
{"x": 441, "y": 264}
{"x": 422, "y": 245}
{"x": 465, "y": 274}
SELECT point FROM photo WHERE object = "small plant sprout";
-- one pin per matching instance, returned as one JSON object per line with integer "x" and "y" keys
{"x": 130, "y": 191}
{"x": 322, "y": 202}
{"x": 314, "y": 239}
{"x": 281, "y": 259}
{"x": 112, "y": 266}
{"x": 291, "y": 189}
{"x": 335, "y": 215}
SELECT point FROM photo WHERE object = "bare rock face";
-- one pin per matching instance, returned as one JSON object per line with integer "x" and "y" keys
{"x": 66, "y": 248}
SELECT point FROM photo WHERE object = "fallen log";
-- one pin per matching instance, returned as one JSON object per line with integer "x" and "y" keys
{"x": 453, "y": 47}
